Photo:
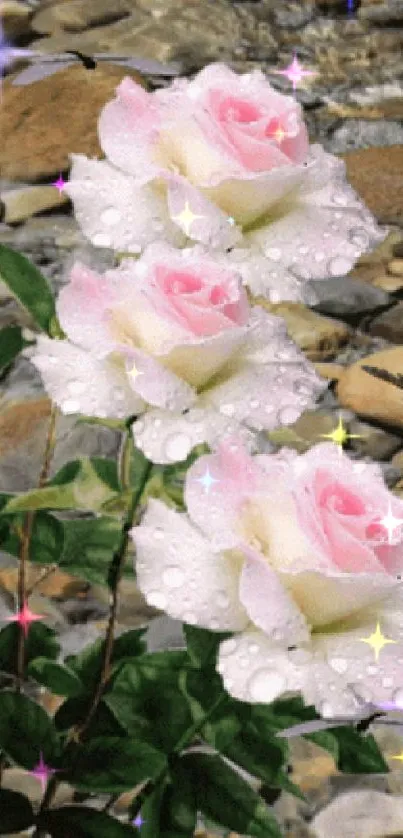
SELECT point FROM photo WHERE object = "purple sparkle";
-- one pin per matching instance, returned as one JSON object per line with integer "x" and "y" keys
{"x": 138, "y": 821}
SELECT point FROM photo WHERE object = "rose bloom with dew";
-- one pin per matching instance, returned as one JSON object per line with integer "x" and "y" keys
{"x": 224, "y": 160}
{"x": 288, "y": 552}
{"x": 171, "y": 337}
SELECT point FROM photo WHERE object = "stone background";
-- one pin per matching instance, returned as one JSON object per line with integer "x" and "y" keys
{"x": 354, "y": 107}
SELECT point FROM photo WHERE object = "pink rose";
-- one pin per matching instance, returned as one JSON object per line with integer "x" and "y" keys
{"x": 290, "y": 552}
{"x": 172, "y": 336}
{"x": 225, "y": 160}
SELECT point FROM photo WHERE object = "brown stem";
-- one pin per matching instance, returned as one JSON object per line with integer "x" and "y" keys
{"x": 25, "y": 544}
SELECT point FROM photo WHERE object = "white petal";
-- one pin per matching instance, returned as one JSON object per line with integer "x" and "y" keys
{"x": 178, "y": 572}
{"x": 79, "y": 383}
{"x": 256, "y": 670}
{"x": 156, "y": 385}
{"x": 167, "y": 438}
{"x": 113, "y": 211}
{"x": 267, "y": 601}
{"x": 324, "y": 231}
{"x": 213, "y": 227}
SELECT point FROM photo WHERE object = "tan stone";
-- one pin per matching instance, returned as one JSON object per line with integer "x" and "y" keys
{"x": 15, "y": 19}
{"x": 76, "y": 15}
{"x": 20, "y": 204}
{"x": 369, "y": 396}
{"x": 395, "y": 267}
{"x": 319, "y": 337}
{"x": 388, "y": 283}
{"x": 17, "y": 779}
{"x": 308, "y": 430}
{"x": 377, "y": 175}
{"x": 57, "y": 585}
{"x": 330, "y": 371}
{"x": 389, "y": 324}
{"x": 42, "y": 123}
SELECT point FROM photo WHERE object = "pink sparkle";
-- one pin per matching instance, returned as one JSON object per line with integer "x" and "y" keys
{"x": 42, "y": 772}
{"x": 294, "y": 72}
{"x": 25, "y": 617}
{"x": 59, "y": 183}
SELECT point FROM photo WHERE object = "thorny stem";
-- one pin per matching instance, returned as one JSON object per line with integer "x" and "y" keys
{"x": 115, "y": 572}
{"x": 25, "y": 543}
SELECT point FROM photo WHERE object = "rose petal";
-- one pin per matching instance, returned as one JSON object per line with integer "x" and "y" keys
{"x": 155, "y": 384}
{"x": 256, "y": 670}
{"x": 81, "y": 307}
{"x": 167, "y": 437}
{"x": 178, "y": 572}
{"x": 325, "y": 229}
{"x": 79, "y": 383}
{"x": 113, "y": 211}
{"x": 212, "y": 226}
{"x": 267, "y": 601}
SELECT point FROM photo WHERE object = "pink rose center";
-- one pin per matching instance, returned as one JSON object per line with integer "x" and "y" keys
{"x": 337, "y": 497}
{"x": 236, "y": 110}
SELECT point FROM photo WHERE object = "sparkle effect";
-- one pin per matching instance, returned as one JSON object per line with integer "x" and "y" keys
{"x": 207, "y": 480}
{"x": 42, "y": 772}
{"x": 59, "y": 183}
{"x": 186, "y": 218}
{"x": 138, "y": 821}
{"x": 134, "y": 372}
{"x": 294, "y": 72}
{"x": 398, "y": 756}
{"x": 390, "y": 523}
{"x": 339, "y": 436}
{"x": 376, "y": 640}
{"x": 25, "y": 617}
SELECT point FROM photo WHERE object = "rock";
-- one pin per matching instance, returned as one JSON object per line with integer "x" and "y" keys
{"x": 389, "y": 325}
{"x": 310, "y": 429}
{"x": 373, "y": 442}
{"x": 76, "y": 15}
{"x": 369, "y": 396}
{"x": 22, "y": 781}
{"x": 385, "y": 13}
{"x": 377, "y": 175}
{"x": 20, "y": 204}
{"x": 35, "y": 144}
{"x": 395, "y": 267}
{"x": 23, "y": 429}
{"x": 361, "y": 134}
{"x": 388, "y": 283}
{"x": 319, "y": 337}
{"x": 360, "y": 813}
{"x": 345, "y": 297}
{"x": 15, "y": 19}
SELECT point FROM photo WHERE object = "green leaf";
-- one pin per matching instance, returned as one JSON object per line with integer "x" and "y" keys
{"x": 87, "y": 664}
{"x": 57, "y": 678}
{"x": 26, "y": 730}
{"x": 29, "y": 286}
{"x": 171, "y": 810}
{"x": 92, "y": 483}
{"x": 354, "y": 752}
{"x": 262, "y": 759}
{"x": 134, "y": 696}
{"x": 47, "y": 539}
{"x": 203, "y": 645}
{"x": 222, "y": 724}
{"x": 82, "y": 823}
{"x": 112, "y": 764}
{"x": 226, "y": 798}
{"x": 40, "y": 641}
{"x": 11, "y": 344}
{"x": 74, "y": 710}
{"x": 15, "y": 812}
{"x": 89, "y": 546}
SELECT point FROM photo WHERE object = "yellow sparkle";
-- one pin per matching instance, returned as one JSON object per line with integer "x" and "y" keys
{"x": 340, "y": 435}
{"x": 133, "y": 371}
{"x": 398, "y": 756}
{"x": 186, "y": 218}
{"x": 376, "y": 640}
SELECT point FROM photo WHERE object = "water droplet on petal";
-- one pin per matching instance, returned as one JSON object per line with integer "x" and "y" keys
{"x": 111, "y": 216}
{"x": 303, "y": 250}
{"x": 398, "y": 697}
{"x": 372, "y": 669}
{"x": 253, "y": 648}
{"x": 338, "y": 664}
{"x": 227, "y": 409}
{"x": 70, "y": 406}
{"x": 266, "y": 685}
{"x": 387, "y": 682}
{"x": 177, "y": 447}
{"x": 338, "y": 265}
{"x": 319, "y": 257}
{"x": 340, "y": 198}
{"x": 288, "y": 415}
{"x": 273, "y": 253}
{"x": 359, "y": 237}
{"x": 254, "y": 404}
{"x": 157, "y": 599}
{"x": 102, "y": 240}
{"x": 228, "y": 647}
{"x": 173, "y": 577}
{"x": 326, "y": 709}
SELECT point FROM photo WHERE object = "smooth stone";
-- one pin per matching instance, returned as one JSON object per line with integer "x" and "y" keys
{"x": 15, "y": 19}
{"x": 319, "y": 337}
{"x": 364, "y": 812}
{"x": 373, "y": 442}
{"x": 16, "y": 779}
{"x": 388, "y": 283}
{"x": 395, "y": 267}
{"x": 308, "y": 430}
{"x": 377, "y": 175}
{"x": 23, "y": 429}
{"x": 389, "y": 324}
{"x": 372, "y": 397}
{"x": 343, "y": 296}
{"x": 35, "y": 144}
{"x": 77, "y": 16}
{"x": 20, "y": 204}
